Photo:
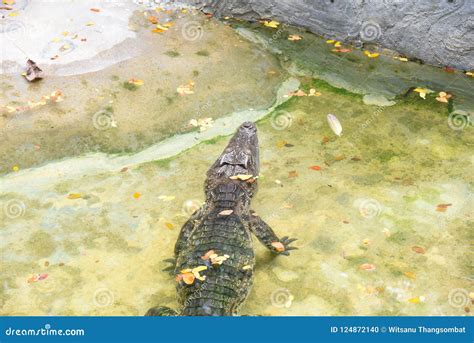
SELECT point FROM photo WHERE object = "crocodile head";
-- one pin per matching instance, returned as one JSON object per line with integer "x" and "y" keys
{"x": 240, "y": 157}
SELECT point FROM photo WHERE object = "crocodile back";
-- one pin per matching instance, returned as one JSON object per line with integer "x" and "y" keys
{"x": 226, "y": 285}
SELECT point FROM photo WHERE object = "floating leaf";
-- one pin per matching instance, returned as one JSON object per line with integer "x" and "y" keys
{"x": 135, "y": 82}
{"x": 273, "y": 24}
{"x": 371, "y": 54}
{"x": 207, "y": 255}
{"x": 292, "y": 174}
{"x": 403, "y": 59}
{"x": 186, "y": 89}
{"x": 226, "y": 212}
{"x": 294, "y": 37}
{"x": 416, "y": 300}
{"x": 278, "y": 246}
{"x": 367, "y": 266}
{"x": 242, "y": 177}
{"x": 153, "y": 19}
{"x": 423, "y": 91}
{"x": 410, "y": 275}
{"x": 330, "y": 41}
{"x": 169, "y": 226}
{"x": 337, "y": 44}
{"x": 334, "y": 124}
{"x": 443, "y": 97}
{"x": 315, "y": 168}
{"x": 96, "y": 10}
{"x": 442, "y": 207}
{"x": 136, "y": 195}
{"x": 74, "y": 196}
{"x": 418, "y": 249}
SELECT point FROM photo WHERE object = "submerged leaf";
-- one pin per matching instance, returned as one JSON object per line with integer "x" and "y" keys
{"x": 334, "y": 124}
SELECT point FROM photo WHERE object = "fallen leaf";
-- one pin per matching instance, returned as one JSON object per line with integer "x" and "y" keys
{"x": 442, "y": 207}
{"x": 417, "y": 249}
{"x": 325, "y": 140}
{"x": 273, "y": 24}
{"x": 416, "y": 300}
{"x": 410, "y": 275}
{"x": 443, "y": 97}
{"x": 169, "y": 226}
{"x": 186, "y": 89}
{"x": 315, "y": 168}
{"x": 13, "y": 14}
{"x": 135, "y": 82}
{"x": 90, "y": 23}
{"x": 423, "y": 91}
{"x": 403, "y": 59}
{"x": 371, "y": 54}
{"x": 367, "y": 266}
{"x": 470, "y": 73}
{"x": 208, "y": 254}
{"x": 278, "y": 246}
{"x": 334, "y": 124}
{"x": 226, "y": 212}
{"x": 281, "y": 144}
{"x": 188, "y": 278}
{"x": 247, "y": 267}
{"x": 242, "y": 177}
{"x": 292, "y": 174}
{"x": 355, "y": 158}
{"x": 342, "y": 50}
{"x": 294, "y": 37}
{"x": 36, "y": 278}
{"x": 153, "y": 19}
{"x": 74, "y": 196}
{"x": 15, "y": 168}
{"x": 136, "y": 195}
{"x": 330, "y": 41}
{"x": 96, "y": 10}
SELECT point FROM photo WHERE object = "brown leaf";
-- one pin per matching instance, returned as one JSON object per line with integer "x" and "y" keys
{"x": 417, "y": 249}
{"x": 292, "y": 174}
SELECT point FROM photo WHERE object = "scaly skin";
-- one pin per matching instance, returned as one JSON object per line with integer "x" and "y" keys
{"x": 223, "y": 287}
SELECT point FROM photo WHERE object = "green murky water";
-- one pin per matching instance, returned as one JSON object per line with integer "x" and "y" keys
{"x": 383, "y": 217}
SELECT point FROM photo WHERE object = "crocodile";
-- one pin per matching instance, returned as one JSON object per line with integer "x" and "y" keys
{"x": 214, "y": 259}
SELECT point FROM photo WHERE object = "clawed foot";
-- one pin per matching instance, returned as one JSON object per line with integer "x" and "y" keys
{"x": 283, "y": 246}
{"x": 161, "y": 311}
{"x": 170, "y": 269}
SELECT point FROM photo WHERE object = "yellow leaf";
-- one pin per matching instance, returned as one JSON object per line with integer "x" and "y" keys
{"x": 136, "y": 195}
{"x": 16, "y": 168}
{"x": 410, "y": 275}
{"x": 166, "y": 197}
{"x": 13, "y": 14}
{"x": 90, "y": 23}
{"x": 423, "y": 91}
{"x": 153, "y": 19}
{"x": 169, "y": 226}
{"x": 337, "y": 44}
{"x": 470, "y": 73}
{"x": 273, "y": 24}
{"x": 415, "y": 300}
{"x": 371, "y": 54}
{"x": 135, "y": 82}
{"x": 242, "y": 177}
{"x": 161, "y": 27}
{"x": 170, "y": 24}
{"x": 8, "y": 2}
{"x": 330, "y": 41}
{"x": 294, "y": 37}
{"x": 74, "y": 196}
{"x": 156, "y": 30}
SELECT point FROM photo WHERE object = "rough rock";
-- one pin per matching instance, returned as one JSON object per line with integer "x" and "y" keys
{"x": 438, "y": 32}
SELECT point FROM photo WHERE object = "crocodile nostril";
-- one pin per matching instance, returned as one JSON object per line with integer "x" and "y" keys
{"x": 248, "y": 125}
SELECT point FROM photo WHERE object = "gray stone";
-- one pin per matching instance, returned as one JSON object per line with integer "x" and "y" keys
{"x": 438, "y": 32}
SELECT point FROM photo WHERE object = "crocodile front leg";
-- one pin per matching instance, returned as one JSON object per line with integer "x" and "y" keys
{"x": 267, "y": 237}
